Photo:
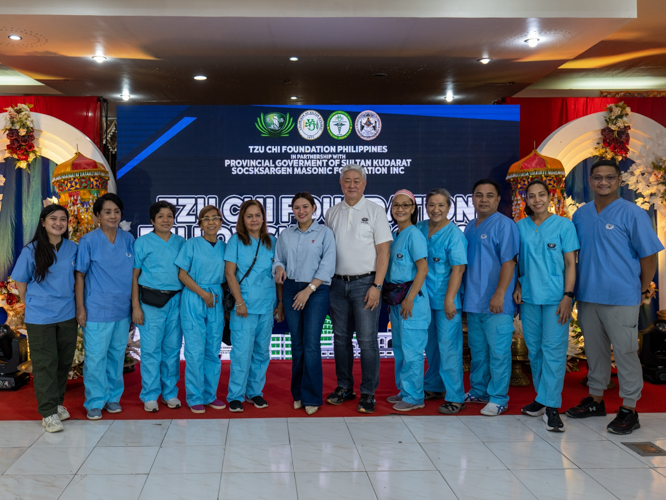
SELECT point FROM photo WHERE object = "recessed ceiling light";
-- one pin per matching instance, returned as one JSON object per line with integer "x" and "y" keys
{"x": 484, "y": 60}
{"x": 201, "y": 77}
{"x": 15, "y": 37}
{"x": 532, "y": 42}
{"x": 99, "y": 59}
{"x": 293, "y": 97}
{"x": 125, "y": 96}
{"x": 449, "y": 96}
{"x": 293, "y": 58}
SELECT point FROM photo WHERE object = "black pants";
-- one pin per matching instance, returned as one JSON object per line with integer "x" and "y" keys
{"x": 52, "y": 351}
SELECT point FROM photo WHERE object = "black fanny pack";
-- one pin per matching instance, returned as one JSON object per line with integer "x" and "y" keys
{"x": 156, "y": 298}
{"x": 394, "y": 293}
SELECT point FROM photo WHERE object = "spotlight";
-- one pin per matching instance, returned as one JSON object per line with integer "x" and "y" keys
{"x": 532, "y": 42}
{"x": 15, "y": 37}
{"x": 201, "y": 77}
{"x": 484, "y": 60}
{"x": 293, "y": 58}
{"x": 449, "y": 96}
{"x": 125, "y": 96}
{"x": 99, "y": 59}
{"x": 293, "y": 97}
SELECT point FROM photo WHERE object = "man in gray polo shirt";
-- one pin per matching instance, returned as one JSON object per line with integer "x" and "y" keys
{"x": 362, "y": 239}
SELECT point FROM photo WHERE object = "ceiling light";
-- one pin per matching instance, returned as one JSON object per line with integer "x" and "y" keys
{"x": 125, "y": 96}
{"x": 201, "y": 77}
{"x": 449, "y": 96}
{"x": 293, "y": 58}
{"x": 99, "y": 59}
{"x": 532, "y": 42}
{"x": 293, "y": 97}
{"x": 15, "y": 37}
{"x": 484, "y": 60}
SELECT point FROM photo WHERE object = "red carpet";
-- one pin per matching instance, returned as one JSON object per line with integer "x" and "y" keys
{"x": 21, "y": 405}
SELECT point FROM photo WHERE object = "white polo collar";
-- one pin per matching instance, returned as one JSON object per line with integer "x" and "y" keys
{"x": 358, "y": 206}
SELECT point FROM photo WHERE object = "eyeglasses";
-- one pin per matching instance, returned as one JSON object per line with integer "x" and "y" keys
{"x": 211, "y": 219}
{"x": 608, "y": 178}
{"x": 404, "y": 206}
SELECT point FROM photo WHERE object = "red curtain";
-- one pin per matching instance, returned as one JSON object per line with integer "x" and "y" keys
{"x": 82, "y": 113}
{"x": 539, "y": 117}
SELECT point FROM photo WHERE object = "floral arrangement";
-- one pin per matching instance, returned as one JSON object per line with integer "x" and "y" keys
{"x": 570, "y": 206}
{"x": 11, "y": 303}
{"x": 614, "y": 143}
{"x": 19, "y": 129}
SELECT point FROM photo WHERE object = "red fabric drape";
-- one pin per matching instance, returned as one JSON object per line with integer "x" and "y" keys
{"x": 539, "y": 117}
{"x": 82, "y": 113}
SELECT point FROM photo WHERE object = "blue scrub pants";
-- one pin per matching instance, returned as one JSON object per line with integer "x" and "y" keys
{"x": 547, "y": 342}
{"x": 161, "y": 340}
{"x": 408, "y": 345}
{"x": 489, "y": 340}
{"x": 202, "y": 330}
{"x": 105, "y": 344}
{"x": 250, "y": 355}
{"x": 444, "y": 353}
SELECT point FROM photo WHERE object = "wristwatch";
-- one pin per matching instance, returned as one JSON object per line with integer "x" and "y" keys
{"x": 569, "y": 294}
{"x": 378, "y": 287}
{"x": 312, "y": 287}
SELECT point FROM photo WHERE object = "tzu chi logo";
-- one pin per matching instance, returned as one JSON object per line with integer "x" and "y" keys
{"x": 484, "y": 236}
{"x": 310, "y": 125}
{"x": 609, "y": 226}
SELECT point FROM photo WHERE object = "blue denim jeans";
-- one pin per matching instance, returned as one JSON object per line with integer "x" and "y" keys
{"x": 305, "y": 327}
{"x": 348, "y": 309}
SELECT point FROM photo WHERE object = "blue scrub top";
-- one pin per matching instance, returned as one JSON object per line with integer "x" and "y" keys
{"x": 203, "y": 261}
{"x": 306, "y": 255}
{"x": 157, "y": 260}
{"x": 446, "y": 248}
{"x": 52, "y": 300}
{"x": 108, "y": 270}
{"x": 495, "y": 241}
{"x": 611, "y": 246}
{"x": 258, "y": 289}
{"x": 541, "y": 259}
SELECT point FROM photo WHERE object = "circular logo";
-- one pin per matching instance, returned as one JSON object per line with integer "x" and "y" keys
{"x": 484, "y": 236}
{"x": 368, "y": 125}
{"x": 339, "y": 125}
{"x": 310, "y": 125}
{"x": 609, "y": 226}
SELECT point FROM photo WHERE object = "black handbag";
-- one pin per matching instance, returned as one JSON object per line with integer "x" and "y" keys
{"x": 394, "y": 293}
{"x": 156, "y": 298}
{"x": 228, "y": 297}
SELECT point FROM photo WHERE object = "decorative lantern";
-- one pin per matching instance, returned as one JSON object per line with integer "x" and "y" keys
{"x": 535, "y": 166}
{"x": 79, "y": 182}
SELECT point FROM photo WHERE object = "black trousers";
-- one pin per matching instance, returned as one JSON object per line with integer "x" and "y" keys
{"x": 52, "y": 351}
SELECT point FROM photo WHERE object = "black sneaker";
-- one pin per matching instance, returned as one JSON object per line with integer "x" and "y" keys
{"x": 366, "y": 404}
{"x": 553, "y": 421}
{"x": 534, "y": 409}
{"x": 625, "y": 422}
{"x": 587, "y": 408}
{"x": 340, "y": 395}
{"x": 258, "y": 401}
{"x": 432, "y": 395}
{"x": 235, "y": 406}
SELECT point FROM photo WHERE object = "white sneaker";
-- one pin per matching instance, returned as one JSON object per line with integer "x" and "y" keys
{"x": 63, "y": 414}
{"x": 493, "y": 409}
{"x": 52, "y": 423}
{"x": 151, "y": 406}
{"x": 298, "y": 405}
{"x": 311, "y": 410}
{"x": 172, "y": 403}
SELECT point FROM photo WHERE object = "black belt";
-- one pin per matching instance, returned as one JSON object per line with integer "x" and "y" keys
{"x": 357, "y": 277}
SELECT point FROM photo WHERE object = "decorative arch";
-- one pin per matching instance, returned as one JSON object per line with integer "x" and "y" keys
{"x": 58, "y": 141}
{"x": 575, "y": 141}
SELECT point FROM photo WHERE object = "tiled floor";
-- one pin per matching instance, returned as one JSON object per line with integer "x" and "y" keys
{"x": 395, "y": 458}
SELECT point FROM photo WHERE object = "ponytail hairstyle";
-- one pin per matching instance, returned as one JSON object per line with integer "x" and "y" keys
{"x": 45, "y": 254}
{"x": 243, "y": 233}
{"x": 528, "y": 211}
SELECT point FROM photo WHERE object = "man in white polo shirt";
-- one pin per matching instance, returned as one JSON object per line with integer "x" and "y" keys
{"x": 362, "y": 240}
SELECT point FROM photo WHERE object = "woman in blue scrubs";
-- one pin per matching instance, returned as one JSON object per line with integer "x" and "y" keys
{"x": 201, "y": 263}
{"x": 252, "y": 318}
{"x": 104, "y": 267}
{"x": 447, "y": 257}
{"x": 547, "y": 275}
{"x": 156, "y": 308}
{"x": 410, "y": 318}
{"x": 305, "y": 263}
{"x": 44, "y": 275}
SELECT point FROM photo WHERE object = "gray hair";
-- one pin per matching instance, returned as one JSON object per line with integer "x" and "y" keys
{"x": 353, "y": 166}
{"x": 439, "y": 191}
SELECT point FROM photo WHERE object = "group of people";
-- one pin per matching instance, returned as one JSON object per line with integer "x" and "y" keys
{"x": 427, "y": 272}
